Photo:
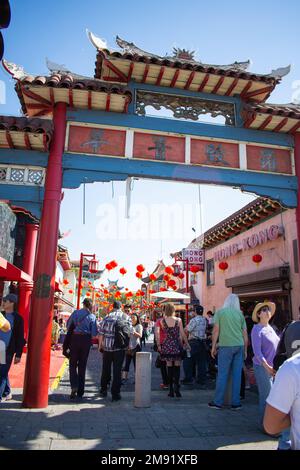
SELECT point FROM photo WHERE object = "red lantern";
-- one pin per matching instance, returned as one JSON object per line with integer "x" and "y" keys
{"x": 162, "y": 289}
{"x": 140, "y": 268}
{"x": 257, "y": 259}
{"x": 70, "y": 291}
{"x": 88, "y": 294}
{"x": 93, "y": 266}
{"x": 181, "y": 276}
{"x": 123, "y": 271}
{"x": 171, "y": 283}
{"x": 194, "y": 269}
{"x": 139, "y": 275}
{"x": 152, "y": 277}
{"x": 166, "y": 278}
{"x": 223, "y": 266}
{"x": 66, "y": 282}
{"x": 113, "y": 264}
{"x": 169, "y": 270}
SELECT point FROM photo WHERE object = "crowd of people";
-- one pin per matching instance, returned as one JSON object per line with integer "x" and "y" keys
{"x": 227, "y": 344}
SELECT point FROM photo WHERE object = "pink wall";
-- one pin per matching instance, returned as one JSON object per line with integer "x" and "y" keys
{"x": 274, "y": 254}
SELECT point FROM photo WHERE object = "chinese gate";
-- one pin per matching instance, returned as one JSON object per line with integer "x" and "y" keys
{"x": 98, "y": 129}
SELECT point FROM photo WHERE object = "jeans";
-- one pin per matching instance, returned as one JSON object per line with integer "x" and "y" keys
{"x": 80, "y": 348}
{"x": 116, "y": 358}
{"x": 4, "y": 380}
{"x": 264, "y": 384}
{"x": 198, "y": 358}
{"x": 230, "y": 359}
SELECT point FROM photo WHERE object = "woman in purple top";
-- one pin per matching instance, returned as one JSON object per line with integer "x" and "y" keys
{"x": 264, "y": 344}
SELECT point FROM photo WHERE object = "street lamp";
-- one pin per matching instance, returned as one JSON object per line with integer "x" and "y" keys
{"x": 93, "y": 268}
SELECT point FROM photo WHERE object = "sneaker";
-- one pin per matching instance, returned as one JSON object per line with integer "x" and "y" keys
{"x": 7, "y": 397}
{"x": 236, "y": 407}
{"x": 73, "y": 395}
{"x": 116, "y": 398}
{"x": 212, "y": 404}
{"x": 164, "y": 387}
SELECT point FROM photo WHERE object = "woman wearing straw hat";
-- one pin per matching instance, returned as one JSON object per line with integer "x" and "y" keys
{"x": 264, "y": 344}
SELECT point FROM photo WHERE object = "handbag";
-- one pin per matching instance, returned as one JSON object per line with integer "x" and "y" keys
{"x": 130, "y": 352}
{"x": 158, "y": 362}
{"x": 66, "y": 348}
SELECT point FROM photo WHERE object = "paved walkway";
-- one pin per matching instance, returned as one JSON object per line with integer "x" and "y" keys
{"x": 97, "y": 423}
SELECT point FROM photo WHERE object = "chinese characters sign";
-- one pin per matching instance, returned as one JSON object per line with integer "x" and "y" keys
{"x": 97, "y": 141}
{"x": 159, "y": 147}
{"x": 176, "y": 149}
{"x": 268, "y": 159}
{"x": 206, "y": 152}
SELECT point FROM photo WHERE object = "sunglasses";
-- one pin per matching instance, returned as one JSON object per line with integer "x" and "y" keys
{"x": 265, "y": 309}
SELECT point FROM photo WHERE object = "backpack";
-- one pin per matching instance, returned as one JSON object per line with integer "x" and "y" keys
{"x": 122, "y": 334}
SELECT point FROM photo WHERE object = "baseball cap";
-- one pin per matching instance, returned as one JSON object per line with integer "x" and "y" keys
{"x": 292, "y": 338}
{"x": 11, "y": 298}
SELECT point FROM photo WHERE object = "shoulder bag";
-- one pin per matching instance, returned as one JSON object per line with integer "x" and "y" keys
{"x": 66, "y": 349}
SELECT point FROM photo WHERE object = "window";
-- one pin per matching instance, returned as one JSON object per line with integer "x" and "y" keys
{"x": 210, "y": 272}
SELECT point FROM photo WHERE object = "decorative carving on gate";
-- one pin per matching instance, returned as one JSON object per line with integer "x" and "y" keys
{"x": 185, "y": 107}
{"x": 22, "y": 175}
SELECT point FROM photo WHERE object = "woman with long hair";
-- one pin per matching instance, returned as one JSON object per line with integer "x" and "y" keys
{"x": 172, "y": 346}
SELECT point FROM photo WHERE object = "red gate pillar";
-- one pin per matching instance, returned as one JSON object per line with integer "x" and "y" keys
{"x": 297, "y": 167}
{"x": 26, "y": 288}
{"x": 39, "y": 341}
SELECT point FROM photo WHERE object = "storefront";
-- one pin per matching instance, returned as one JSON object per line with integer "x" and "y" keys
{"x": 254, "y": 254}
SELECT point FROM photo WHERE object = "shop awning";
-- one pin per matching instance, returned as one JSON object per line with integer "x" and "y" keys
{"x": 10, "y": 272}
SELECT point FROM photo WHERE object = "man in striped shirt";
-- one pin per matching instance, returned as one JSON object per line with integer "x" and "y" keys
{"x": 112, "y": 354}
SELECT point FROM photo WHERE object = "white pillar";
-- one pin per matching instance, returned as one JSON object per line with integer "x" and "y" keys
{"x": 143, "y": 380}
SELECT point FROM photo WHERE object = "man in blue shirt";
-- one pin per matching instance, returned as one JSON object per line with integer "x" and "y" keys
{"x": 85, "y": 328}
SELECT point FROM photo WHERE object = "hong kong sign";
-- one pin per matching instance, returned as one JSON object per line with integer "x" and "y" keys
{"x": 263, "y": 236}
{"x": 172, "y": 148}
{"x": 194, "y": 256}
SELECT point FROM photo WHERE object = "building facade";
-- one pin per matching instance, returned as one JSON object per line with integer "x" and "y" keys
{"x": 254, "y": 254}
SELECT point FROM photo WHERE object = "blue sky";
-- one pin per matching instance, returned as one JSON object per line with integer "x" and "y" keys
{"x": 265, "y": 31}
